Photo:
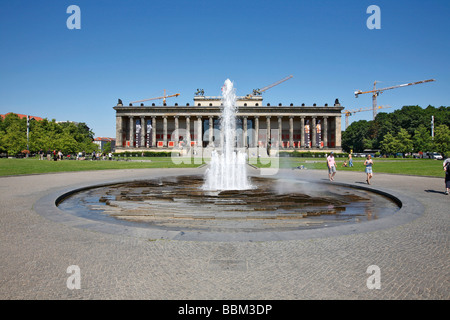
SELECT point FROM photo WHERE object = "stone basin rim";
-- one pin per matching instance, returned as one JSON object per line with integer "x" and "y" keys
{"x": 409, "y": 209}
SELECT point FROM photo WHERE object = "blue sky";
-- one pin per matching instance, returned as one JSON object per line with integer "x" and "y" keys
{"x": 133, "y": 50}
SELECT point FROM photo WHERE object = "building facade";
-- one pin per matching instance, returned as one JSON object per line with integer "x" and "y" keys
{"x": 102, "y": 141}
{"x": 283, "y": 128}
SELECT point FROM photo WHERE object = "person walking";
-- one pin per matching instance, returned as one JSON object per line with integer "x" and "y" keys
{"x": 369, "y": 163}
{"x": 331, "y": 163}
{"x": 446, "y": 166}
{"x": 350, "y": 160}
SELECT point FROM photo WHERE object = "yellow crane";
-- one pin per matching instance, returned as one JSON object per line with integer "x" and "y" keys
{"x": 163, "y": 97}
{"x": 376, "y": 92}
{"x": 258, "y": 92}
{"x": 348, "y": 113}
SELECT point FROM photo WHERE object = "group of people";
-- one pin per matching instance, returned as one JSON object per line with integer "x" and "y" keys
{"x": 51, "y": 155}
{"x": 58, "y": 155}
{"x": 368, "y": 163}
{"x": 331, "y": 163}
{"x": 94, "y": 156}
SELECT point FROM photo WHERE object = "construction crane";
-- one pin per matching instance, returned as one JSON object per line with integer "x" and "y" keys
{"x": 348, "y": 113}
{"x": 163, "y": 97}
{"x": 376, "y": 92}
{"x": 258, "y": 92}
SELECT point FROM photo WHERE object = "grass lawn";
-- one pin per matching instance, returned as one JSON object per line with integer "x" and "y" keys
{"x": 424, "y": 167}
{"x": 420, "y": 167}
{"x": 31, "y": 165}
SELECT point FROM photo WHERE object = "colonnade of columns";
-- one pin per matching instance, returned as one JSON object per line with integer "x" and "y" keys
{"x": 126, "y": 134}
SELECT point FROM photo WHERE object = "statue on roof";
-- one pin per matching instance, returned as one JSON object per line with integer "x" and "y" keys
{"x": 200, "y": 92}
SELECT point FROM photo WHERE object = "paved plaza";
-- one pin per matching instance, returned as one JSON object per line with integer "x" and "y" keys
{"x": 38, "y": 244}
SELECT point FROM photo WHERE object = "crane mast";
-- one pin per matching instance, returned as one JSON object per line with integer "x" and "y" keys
{"x": 163, "y": 97}
{"x": 348, "y": 113}
{"x": 376, "y": 92}
{"x": 258, "y": 92}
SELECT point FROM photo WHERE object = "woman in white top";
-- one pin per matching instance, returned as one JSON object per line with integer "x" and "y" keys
{"x": 369, "y": 163}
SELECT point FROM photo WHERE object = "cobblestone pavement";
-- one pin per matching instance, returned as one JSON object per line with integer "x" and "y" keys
{"x": 36, "y": 251}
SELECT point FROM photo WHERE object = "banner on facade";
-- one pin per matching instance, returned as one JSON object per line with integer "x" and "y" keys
{"x": 149, "y": 132}
{"x": 318, "y": 134}
{"x": 307, "y": 137}
{"x": 138, "y": 133}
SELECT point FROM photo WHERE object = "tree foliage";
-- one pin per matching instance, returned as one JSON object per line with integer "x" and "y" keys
{"x": 47, "y": 135}
{"x": 442, "y": 139}
{"x": 405, "y": 130}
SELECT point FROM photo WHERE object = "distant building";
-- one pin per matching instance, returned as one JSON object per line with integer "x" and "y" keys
{"x": 289, "y": 128}
{"x": 102, "y": 141}
{"x": 74, "y": 122}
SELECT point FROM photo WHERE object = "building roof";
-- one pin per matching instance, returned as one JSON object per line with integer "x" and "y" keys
{"x": 21, "y": 116}
{"x": 104, "y": 139}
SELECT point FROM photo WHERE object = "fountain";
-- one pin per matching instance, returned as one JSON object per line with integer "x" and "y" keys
{"x": 226, "y": 202}
{"x": 228, "y": 167}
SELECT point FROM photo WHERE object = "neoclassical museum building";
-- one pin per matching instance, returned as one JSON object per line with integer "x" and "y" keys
{"x": 197, "y": 126}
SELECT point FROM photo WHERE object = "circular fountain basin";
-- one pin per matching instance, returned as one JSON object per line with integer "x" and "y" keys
{"x": 272, "y": 205}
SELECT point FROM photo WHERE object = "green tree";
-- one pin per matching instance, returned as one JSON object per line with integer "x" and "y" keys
{"x": 422, "y": 139}
{"x": 107, "y": 148}
{"x": 14, "y": 136}
{"x": 66, "y": 143}
{"x": 442, "y": 139}
{"x": 390, "y": 144}
{"x": 405, "y": 142}
{"x": 408, "y": 118}
{"x": 2, "y": 133}
{"x": 353, "y": 137}
{"x": 46, "y": 135}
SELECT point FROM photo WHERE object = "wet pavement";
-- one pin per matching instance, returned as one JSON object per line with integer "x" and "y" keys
{"x": 180, "y": 203}
{"x": 38, "y": 242}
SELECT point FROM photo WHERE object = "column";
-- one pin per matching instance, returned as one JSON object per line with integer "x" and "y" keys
{"x": 211, "y": 130}
{"x": 143, "y": 128}
{"x": 244, "y": 136}
{"x": 165, "y": 131}
{"x": 131, "y": 129}
{"x": 199, "y": 131}
{"x": 280, "y": 131}
{"x": 291, "y": 132}
{"x": 256, "y": 131}
{"x": 313, "y": 131}
{"x": 119, "y": 132}
{"x": 153, "y": 131}
{"x": 268, "y": 130}
{"x": 338, "y": 132}
{"x": 302, "y": 131}
{"x": 177, "y": 135}
{"x": 188, "y": 131}
{"x": 325, "y": 132}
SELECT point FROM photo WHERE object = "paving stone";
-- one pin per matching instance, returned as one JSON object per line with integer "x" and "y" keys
{"x": 36, "y": 251}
